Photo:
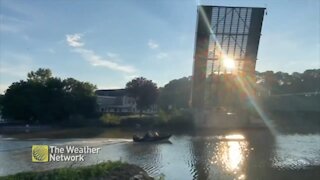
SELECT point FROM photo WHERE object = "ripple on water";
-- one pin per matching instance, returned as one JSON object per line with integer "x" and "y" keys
{"x": 213, "y": 157}
{"x": 296, "y": 151}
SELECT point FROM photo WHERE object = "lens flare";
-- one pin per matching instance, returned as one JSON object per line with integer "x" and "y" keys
{"x": 228, "y": 63}
{"x": 245, "y": 87}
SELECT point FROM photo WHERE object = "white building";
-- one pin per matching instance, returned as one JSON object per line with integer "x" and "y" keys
{"x": 117, "y": 101}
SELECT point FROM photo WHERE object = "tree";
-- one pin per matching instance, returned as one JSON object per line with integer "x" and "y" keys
{"x": 175, "y": 94}
{"x": 80, "y": 97}
{"x": 1, "y": 101}
{"x": 46, "y": 99}
{"x": 41, "y": 75}
{"x": 144, "y": 91}
{"x": 284, "y": 83}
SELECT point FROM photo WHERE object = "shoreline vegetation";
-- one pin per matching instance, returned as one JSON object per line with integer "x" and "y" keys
{"x": 106, "y": 126}
{"x": 160, "y": 119}
{"x": 285, "y": 123}
{"x": 115, "y": 170}
{"x": 45, "y": 101}
{"x": 50, "y": 107}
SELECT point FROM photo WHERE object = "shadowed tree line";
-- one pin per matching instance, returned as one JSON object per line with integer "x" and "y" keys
{"x": 144, "y": 91}
{"x": 176, "y": 93}
{"x": 285, "y": 83}
{"x": 43, "y": 98}
{"x": 297, "y": 93}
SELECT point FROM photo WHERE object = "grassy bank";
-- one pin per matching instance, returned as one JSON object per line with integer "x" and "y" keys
{"x": 174, "y": 119}
{"x": 109, "y": 125}
{"x": 108, "y": 170}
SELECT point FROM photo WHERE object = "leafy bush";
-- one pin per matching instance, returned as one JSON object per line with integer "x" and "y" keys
{"x": 176, "y": 118}
{"x": 181, "y": 118}
{"x": 163, "y": 116}
{"x": 110, "y": 119}
{"x": 133, "y": 121}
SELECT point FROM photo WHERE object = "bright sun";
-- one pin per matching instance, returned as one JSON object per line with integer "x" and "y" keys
{"x": 229, "y": 63}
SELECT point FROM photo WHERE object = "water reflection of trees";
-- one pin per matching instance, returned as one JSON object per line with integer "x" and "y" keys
{"x": 199, "y": 163}
{"x": 146, "y": 155}
{"x": 261, "y": 146}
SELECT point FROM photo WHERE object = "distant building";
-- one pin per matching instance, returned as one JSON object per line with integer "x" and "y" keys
{"x": 117, "y": 101}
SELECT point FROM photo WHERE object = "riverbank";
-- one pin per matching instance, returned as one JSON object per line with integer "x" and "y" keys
{"x": 174, "y": 119}
{"x": 255, "y": 154}
{"x": 109, "y": 170}
{"x": 64, "y": 133}
{"x": 174, "y": 123}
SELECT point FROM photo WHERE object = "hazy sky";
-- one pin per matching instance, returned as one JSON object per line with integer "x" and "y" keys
{"x": 108, "y": 42}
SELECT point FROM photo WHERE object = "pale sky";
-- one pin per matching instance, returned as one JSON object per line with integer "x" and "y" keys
{"x": 110, "y": 42}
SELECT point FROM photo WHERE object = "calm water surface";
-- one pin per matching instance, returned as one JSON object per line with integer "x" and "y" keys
{"x": 254, "y": 154}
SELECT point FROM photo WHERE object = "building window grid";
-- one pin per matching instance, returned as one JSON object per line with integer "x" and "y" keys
{"x": 230, "y": 27}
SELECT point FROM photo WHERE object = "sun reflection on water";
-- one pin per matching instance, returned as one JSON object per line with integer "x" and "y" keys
{"x": 234, "y": 137}
{"x": 231, "y": 155}
{"x": 234, "y": 155}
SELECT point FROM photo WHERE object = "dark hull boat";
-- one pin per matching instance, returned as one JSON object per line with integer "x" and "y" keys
{"x": 151, "y": 139}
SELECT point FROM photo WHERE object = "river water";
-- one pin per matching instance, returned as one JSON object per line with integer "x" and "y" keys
{"x": 249, "y": 154}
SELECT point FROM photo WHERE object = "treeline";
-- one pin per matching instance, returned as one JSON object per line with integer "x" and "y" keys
{"x": 285, "y": 83}
{"x": 297, "y": 93}
{"x": 43, "y": 98}
{"x": 176, "y": 94}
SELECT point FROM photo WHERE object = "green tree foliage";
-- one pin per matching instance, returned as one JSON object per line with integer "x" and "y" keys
{"x": 80, "y": 97}
{"x": 144, "y": 91}
{"x": 296, "y": 92}
{"x": 284, "y": 83}
{"x": 46, "y": 99}
{"x": 1, "y": 100}
{"x": 41, "y": 75}
{"x": 175, "y": 94}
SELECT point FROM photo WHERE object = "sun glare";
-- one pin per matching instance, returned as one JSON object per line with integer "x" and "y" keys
{"x": 234, "y": 137}
{"x": 228, "y": 63}
{"x": 232, "y": 155}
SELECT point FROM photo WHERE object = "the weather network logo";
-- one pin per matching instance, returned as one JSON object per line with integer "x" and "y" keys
{"x": 40, "y": 153}
{"x": 46, "y": 153}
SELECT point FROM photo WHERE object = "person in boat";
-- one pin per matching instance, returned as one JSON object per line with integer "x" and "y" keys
{"x": 151, "y": 134}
